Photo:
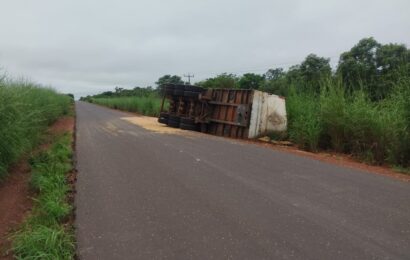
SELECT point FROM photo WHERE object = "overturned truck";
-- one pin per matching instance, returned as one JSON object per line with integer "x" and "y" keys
{"x": 233, "y": 113}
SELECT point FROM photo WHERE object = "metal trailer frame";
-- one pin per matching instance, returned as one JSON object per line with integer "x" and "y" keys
{"x": 235, "y": 113}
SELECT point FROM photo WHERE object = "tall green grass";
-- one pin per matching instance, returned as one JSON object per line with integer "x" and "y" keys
{"x": 376, "y": 132}
{"x": 304, "y": 125}
{"x": 149, "y": 106}
{"x": 26, "y": 110}
{"x": 45, "y": 233}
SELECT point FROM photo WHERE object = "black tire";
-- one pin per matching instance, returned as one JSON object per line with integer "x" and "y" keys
{"x": 204, "y": 128}
{"x": 193, "y": 88}
{"x": 174, "y": 118}
{"x": 164, "y": 115}
{"x": 187, "y": 121}
{"x": 173, "y": 123}
{"x": 163, "y": 118}
{"x": 179, "y": 90}
{"x": 188, "y": 127}
{"x": 169, "y": 91}
{"x": 191, "y": 94}
{"x": 179, "y": 86}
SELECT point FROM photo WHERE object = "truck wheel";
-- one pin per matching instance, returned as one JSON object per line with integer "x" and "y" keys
{"x": 191, "y": 94}
{"x": 193, "y": 88}
{"x": 187, "y": 121}
{"x": 179, "y": 90}
{"x": 163, "y": 118}
{"x": 189, "y": 127}
{"x": 168, "y": 89}
{"x": 173, "y": 121}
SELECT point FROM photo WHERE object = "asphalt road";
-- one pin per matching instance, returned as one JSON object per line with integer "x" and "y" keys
{"x": 145, "y": 195}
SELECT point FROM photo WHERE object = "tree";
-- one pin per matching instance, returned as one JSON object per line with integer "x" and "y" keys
{"x": 118, "y": 90}
{"x": 275, "y": 82}
{"x": 168, "y": 79}
{"x": 293, "y": 75}
{"x": 250, "y": 81}
{"x": 223, "y": 80}
{"x": 358, "y": 66}
{"x": 313, "y": 69}
{"x": 390, "y": 57}
{"x": 107, "y": 93}
{"x": 274, "y": 74}
{"x": 393, "y": 62}
{"x": 374, "y": 67}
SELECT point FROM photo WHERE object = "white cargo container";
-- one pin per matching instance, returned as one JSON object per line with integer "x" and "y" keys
{"x": 268, "y": 114}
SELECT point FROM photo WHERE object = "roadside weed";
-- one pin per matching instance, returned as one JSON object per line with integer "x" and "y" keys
{"x": 44, "y": 234}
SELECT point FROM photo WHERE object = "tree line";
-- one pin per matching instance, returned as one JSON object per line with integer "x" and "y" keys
{"x": 368, "y": 65}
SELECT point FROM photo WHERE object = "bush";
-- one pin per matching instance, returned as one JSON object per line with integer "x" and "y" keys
{"x": 26, "y": 110}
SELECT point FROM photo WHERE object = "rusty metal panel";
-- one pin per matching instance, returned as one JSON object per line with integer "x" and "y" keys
{"x": 228, "y": 111}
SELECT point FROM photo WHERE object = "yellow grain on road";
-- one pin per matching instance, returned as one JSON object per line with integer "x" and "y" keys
{"x": 151, "y": 123}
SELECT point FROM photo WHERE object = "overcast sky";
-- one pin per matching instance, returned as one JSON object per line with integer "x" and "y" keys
{"x": 85, "y": 47}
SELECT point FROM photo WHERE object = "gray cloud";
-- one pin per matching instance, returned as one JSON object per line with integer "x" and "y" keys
{"x": 84, "y": 47}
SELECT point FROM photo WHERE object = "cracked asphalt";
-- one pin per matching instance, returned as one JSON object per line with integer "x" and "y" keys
{"x": 147, "y": 195}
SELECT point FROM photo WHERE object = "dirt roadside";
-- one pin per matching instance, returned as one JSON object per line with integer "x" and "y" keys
{"x": 15, "y": 194}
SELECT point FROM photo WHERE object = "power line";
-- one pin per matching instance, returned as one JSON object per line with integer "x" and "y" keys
{"x": 189, "y": 76}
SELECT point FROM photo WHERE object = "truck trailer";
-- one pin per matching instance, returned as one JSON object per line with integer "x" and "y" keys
{"x": 236, "y": 113}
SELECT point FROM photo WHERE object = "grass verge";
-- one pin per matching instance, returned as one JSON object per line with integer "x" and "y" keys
{"x": 47, "y": 232}
{"x": 145, "y": 105}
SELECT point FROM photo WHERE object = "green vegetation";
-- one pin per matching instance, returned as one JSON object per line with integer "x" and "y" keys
{"x": 368, "y": 66}
{"x": 26, "y": 109}
{"x": 149, "y": 106}
{"x": 223, "y": 80}
{"x": 45, "y": 233}
{"x": 303, "y": 120}
{"x": 145, "y": 101}
{"x": 168, "y": 79}
{"x": 376, "y": 132}
{"x": 362, "y": 107}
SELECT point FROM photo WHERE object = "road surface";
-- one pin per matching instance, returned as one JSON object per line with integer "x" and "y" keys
{"x": 146, "y": 195}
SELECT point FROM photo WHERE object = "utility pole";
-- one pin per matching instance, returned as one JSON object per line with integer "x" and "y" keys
{"x": 189, "y": 76}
